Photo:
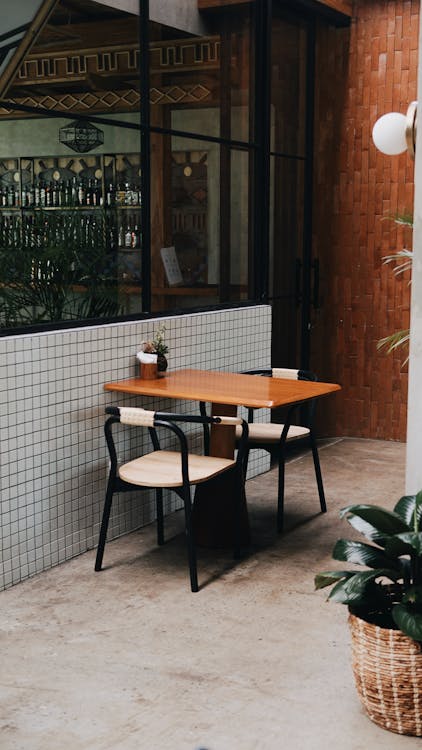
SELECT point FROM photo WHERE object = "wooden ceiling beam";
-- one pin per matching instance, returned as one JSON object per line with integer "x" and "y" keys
{"x": 341, "y": 6}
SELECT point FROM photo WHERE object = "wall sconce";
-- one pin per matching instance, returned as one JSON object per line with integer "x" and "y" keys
{"x": 395, "y": 133}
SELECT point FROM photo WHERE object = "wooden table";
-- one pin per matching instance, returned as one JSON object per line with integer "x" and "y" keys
{"x": 225, "y": 391}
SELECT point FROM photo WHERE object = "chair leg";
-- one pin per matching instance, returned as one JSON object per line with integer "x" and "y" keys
{"x": 239, "y": 497}
{"x": 318, "y": 473}
{"x": 280, "y": 499}
{"x": 190, "y": 542}
{"x": 160, "y": 516}
{"x": 104, "y": 524}
{"x": 245, "y": 463}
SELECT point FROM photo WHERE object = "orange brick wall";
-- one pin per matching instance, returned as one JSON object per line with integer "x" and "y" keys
{"x": 362, "y": 72}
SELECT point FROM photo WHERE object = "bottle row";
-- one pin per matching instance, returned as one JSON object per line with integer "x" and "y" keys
{"x": 129, "y": 236}
{"x": 77, "y": 232}
{"x": 69, "y": 193}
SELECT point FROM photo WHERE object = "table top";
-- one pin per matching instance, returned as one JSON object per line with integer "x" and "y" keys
{"x": 225, "y": 388}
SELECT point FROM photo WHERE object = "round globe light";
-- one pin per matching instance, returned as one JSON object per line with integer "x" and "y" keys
{"x": 389, "y": 134}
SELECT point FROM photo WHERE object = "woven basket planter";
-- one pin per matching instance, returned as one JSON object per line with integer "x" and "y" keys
{"x": 387, "y": 667}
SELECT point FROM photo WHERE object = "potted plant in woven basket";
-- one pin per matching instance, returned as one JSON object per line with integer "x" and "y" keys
{"x": 385, "y": 610}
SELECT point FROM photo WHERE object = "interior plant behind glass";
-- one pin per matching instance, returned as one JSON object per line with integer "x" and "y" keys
{"x": 56, "y": 267}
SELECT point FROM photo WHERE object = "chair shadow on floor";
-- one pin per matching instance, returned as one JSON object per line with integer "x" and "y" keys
{"x": 137, "y": 551}
{"x": 261, "y": 493}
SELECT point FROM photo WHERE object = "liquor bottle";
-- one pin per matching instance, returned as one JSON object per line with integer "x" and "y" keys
{"x": 42, "y": 193}
{"x": 96, "y": 194}
{"x": 128, "y": 237}
{"x": 92, "y": 233}
{"x": 37, "y": 197}
{"x": 67, "y": 193}
{"x": 112, "y": 238}
{"x": 111, "y": 195}
{"x": 74, "y": 192}
{"x": 81, "y": 194}
{"x": 29, "y": 195}
{"x": 136, "y": 237}
{"x": 16, "y": 232}
{"x": 48, "y": 195}
{"x": 54, "y": 194}
{"x": 120, "y": 237}
{"x": 16, "y": 197}
{"x": 88, "y": 193}
{"x": 120, "y": 195}
{"x": 60, "y": 194}
{"x": 10, "y": 196}
{"x": 128, "y": 195}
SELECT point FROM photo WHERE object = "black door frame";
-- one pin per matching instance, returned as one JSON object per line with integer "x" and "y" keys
{"x": 263, "y": 154}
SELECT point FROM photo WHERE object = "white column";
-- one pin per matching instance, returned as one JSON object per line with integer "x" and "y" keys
{"x": 414, "y": 409}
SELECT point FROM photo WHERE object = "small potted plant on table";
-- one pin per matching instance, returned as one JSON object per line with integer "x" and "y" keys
{"x": 158, "y": 348}
{"x": 385, "y": 606}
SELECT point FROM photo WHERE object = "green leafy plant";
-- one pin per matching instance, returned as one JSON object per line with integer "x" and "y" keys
{"x": 157, "y": 344}
{"x": 403, "y": 259}
{"x": 389, "y": 591}
{"x": 158, "y": 341}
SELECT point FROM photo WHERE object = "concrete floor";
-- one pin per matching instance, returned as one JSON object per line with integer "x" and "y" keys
{"x": 129, "y": 659}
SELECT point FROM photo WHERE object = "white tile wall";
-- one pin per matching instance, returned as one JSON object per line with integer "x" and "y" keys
{"x": 53, "y": 459}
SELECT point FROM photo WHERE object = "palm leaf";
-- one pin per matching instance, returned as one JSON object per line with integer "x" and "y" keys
{"x": 413, "y": 596}
{"x": 326, "y": 578}
{"x": 401, "y": 219}
{"x": 405, "y": 508}
{"x": 409, "y": 621}
{"x": 396, "y": 546}
{"x": 386, "y": 522}
{"x": 404, "y": 255}
{"x": 359, "y": 553}
{"x": 359, "y": 589}
{"x": 413, "y": 541}
{"x": 369, "y": 531}
{"x": 394, "y": 341}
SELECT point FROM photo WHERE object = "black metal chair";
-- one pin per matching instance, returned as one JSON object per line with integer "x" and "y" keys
{"x": 273, "y": 437}
{"x": 172, "y": 469}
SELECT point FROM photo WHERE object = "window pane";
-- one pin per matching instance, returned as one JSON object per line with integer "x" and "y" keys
{"x": 200, "y": 204}
{"x": 189, "y": 73}
{"x": 70, "y": 232}
{"x": 70, "y": 196}
{"x": 286, "y": 255}
{"x": 185, "y": 211}
{"x": 288, "y": 86}
{"x": 85, "y": 61}
{"x": 240, "y": 239}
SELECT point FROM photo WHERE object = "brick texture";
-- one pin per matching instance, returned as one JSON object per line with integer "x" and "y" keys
{"x": 362, "y": 73}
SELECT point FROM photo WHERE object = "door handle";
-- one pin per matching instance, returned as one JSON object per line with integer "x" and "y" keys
{"x": 315, "y": 285}
{"x": 298, "y": 282}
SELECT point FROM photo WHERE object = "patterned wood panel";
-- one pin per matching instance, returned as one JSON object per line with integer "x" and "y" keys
{"x": 362, "y": 73}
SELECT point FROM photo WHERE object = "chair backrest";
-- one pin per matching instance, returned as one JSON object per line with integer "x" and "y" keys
{"x": 138, "y": 417}
{"x": 282, "y": 372}
{"x": 288, "y": 373}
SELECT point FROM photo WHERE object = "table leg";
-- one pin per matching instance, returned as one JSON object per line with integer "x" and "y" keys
{"x": 214, "y": 506}
{"x": 223, "y": 438}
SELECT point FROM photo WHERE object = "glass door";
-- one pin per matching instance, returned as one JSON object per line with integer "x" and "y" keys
{"x": 290, "y": 191}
